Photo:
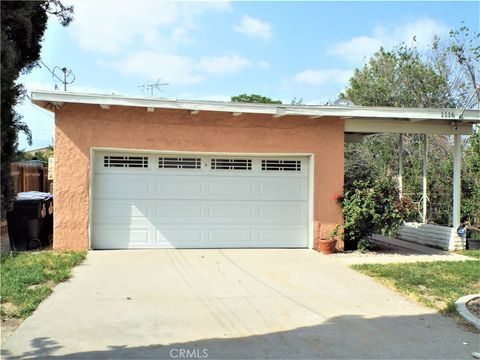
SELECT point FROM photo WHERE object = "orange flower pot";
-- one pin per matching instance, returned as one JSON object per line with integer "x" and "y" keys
{"x": 327, "y": 246}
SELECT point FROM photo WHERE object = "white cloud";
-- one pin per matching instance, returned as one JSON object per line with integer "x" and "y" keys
{"x": 109, "y": 26}
{"x": 226, "y": 64}
{"x": 322, "y": 77}
{"x": 360, "y": 47}
{"x": 178, "y": 69}
{"x": 263, "y": 64}
{"x": 254, "y": 28}
{"x": 172, "y": 68}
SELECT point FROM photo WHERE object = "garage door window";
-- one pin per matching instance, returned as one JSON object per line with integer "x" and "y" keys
{"x": 281, "y": 165}
{"x": 231, "y": 164}
{"x": 179, "y": 163}
{"x": 125, "y": 161}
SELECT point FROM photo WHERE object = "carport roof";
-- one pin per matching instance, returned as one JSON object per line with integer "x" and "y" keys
{"x": 358, "y": 119}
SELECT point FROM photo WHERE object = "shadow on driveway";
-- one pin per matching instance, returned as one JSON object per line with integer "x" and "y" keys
{"x": 342, "y": 337}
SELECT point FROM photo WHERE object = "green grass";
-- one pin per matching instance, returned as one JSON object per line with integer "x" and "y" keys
{"x": 437, "y": 284}
{"x": 28, "y": 278}
{"x": 472, "y": 253}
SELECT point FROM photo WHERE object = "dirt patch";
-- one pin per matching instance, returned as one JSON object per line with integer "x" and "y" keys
{"x": 474, "y": 306}
{"x": 8, "y": 309}
{"x": 8, "y": 328}
{"x": 50, "y": 284}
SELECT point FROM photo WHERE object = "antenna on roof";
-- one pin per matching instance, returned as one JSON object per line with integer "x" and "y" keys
{"x": 155, "y": 86}
{"x": 68, "y": 76}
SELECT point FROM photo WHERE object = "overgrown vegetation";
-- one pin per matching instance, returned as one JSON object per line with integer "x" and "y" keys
{"x": 23, "y": 26}
{"x": 444, "y": 76}
{"x": 370, "y": 207}
{"x": 436, "y": 284}
{"x": 28, "y": 278}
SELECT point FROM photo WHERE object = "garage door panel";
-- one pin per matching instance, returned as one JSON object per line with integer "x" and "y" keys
{"x": 229, "y": 188}
{"x": 231, "y": 236}
{"x": 290, "y": 212}
{"x": 179, "y": 237}
{"x": 282, "y": 189}
{"x": 121, "y": 236}
{"x": 230, "y": 212}
{"x": 119, "y": 211}
{"x": 121, "y": 186}
{"x": 166, "y": 211}
{"x": 283, "y": 236}
{"x": 176, "y": 187}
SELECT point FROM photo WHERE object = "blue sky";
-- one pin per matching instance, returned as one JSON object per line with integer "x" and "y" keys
{"x": 211, "y": 51}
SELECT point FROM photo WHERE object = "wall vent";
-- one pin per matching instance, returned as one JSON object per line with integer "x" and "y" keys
{"x": 282, "y": 165}
{"x": 179, "y": 163}
{"x": 231, "y": 164}
{"x": 126, "y": 161}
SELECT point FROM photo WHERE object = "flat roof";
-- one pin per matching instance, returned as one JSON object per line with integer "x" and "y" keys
{"x": 360, "y": 119}
{"x": 42, "y": 98}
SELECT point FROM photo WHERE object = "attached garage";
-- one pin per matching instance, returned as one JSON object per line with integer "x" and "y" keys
{"x": 134, "y": 172}
{"x": 158, "y": 200}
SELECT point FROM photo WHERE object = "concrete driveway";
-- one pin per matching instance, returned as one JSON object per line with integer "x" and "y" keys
{"x": 231, "y": 304}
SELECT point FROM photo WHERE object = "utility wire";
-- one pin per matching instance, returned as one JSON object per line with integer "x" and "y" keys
{"x": 39, "y": 108}
{"x": 53, "y": 74}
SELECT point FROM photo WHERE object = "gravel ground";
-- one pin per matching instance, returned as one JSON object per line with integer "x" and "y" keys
{"x": 388, "y": 253}
{"x": 381, "y": 249}
{"x": 474, "y": 306}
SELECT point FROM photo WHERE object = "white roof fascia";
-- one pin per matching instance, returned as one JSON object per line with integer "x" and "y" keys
{"x": 42, "y": 98}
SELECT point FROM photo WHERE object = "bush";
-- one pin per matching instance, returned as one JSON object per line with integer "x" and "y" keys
{"x": 365, "y": 245}
{"x": 370, "y": 207}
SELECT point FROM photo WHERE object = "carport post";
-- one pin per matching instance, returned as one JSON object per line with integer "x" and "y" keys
{"x": 457, "y": 168}
{"x": 424, "y": 182}
{"x": 400, "y": 167}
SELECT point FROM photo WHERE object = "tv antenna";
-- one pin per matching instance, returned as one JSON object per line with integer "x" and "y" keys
{"x": 68, "y": 76}
{"x": 155, "y": 86}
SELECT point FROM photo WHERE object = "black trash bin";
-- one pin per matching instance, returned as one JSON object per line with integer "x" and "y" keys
{"x": 30, "y": 225}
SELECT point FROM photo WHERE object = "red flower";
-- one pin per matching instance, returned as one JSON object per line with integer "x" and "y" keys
{"x": 336, "y": 197}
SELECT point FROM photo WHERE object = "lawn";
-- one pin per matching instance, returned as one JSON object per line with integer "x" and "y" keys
{"x": 28, "y": 278}
{"x": 472, "y": 253}
{"x": 437, "y": 284}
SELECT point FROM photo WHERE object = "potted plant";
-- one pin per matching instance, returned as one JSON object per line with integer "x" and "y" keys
{"x": 327, "y": 246}
{"x": 473, "y": 239}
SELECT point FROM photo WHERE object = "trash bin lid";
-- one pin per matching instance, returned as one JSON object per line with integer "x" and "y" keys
{"x": 34, "y": 195}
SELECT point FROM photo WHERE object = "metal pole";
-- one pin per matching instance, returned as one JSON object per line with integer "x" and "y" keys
{"x": 424, "y": 183}
{"x": 457, "y": 168}
{"x": 64, "y": 79}
{"x": 400, "y": 167}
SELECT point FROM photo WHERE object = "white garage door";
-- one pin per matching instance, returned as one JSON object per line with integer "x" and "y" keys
{"x": 188, "y": 201}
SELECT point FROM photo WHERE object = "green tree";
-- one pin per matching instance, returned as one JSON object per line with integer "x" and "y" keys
{"x": 254, "y": 98}
{"x": 399, "y": 78}
{"x": 23, "y": 26}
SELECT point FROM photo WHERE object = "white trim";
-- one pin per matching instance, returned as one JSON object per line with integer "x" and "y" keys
{"x": 403, "y": 126}
{"x": 91, "y": 163}
{"x": 44, "y": 98}
{"x": 310, "y": 178}
{"x": 311, "y": 201}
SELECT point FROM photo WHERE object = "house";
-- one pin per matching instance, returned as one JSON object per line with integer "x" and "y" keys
{"x": 160, "y": 173}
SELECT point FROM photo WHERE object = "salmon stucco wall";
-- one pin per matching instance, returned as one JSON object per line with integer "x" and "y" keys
{"x": 80, "y": 127}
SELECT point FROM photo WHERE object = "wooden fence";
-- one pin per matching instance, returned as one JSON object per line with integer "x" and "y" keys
{"x": 30, "y": 176}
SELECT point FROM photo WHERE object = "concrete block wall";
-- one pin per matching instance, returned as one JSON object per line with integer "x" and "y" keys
{"x": 437, "y": 236}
